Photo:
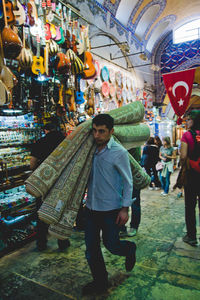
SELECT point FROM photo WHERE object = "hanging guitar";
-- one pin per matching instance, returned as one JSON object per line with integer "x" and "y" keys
{"x": 52, "y": 27}
{"x": 30, "y": 16}
{"x": 11, "y": 42}
{"x": 79, "y": 94}
{"x": 38, "y": 61}
{"x": 37, "y": 28}
{"x": 7, "y": 79}
{"x": 26, "y": 56}
{"x": 70, "y": 92}
{"x": 10, "y": 17}
{"x": 19, "y": 13}
{"x": 89, "y": 71}
{"x": 62, "y": 38}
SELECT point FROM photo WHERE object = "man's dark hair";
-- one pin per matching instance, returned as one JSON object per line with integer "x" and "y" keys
{"x": 50, "y": 127}
{"x": 103, "y": 119}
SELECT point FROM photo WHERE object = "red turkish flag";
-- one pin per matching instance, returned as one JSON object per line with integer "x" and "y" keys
{"x": 179, "y": 87}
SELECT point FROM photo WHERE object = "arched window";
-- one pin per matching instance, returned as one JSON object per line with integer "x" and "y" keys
{"x": 187, "y": 32}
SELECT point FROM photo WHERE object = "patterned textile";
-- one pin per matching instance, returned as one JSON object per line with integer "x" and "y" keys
{"x": 62, "y": 178}
{"x": 131, "y": 135}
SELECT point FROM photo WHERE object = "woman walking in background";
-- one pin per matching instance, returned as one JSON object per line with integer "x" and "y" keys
{"x": 190, "y": 149}
{"x": 167, "y": 154}
{"x": 149, "y": 160}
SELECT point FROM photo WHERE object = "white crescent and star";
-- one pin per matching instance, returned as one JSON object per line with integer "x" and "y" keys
{"x": 177, "y": 84}
{"x": 180, "y": 83}
{"x": 180, "y": 102}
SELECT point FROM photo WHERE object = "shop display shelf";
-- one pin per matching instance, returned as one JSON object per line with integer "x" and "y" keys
{"x": 19, "y": 128}
{"x": 6, "y": 145}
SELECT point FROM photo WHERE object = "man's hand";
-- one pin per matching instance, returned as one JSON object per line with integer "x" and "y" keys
{"x": 122, "y": 217}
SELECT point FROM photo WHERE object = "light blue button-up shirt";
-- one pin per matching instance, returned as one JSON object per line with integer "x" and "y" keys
{"x": 110, "y": 183}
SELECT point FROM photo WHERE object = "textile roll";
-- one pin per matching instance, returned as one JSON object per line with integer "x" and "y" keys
{"x": 62, "y": 178}
{"x": 128, "y": 114}
{"x": 132, "y": 136}
{"x": 43, "y": 178}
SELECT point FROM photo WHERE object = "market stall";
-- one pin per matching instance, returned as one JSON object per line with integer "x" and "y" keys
{"x": 47, "y": 74}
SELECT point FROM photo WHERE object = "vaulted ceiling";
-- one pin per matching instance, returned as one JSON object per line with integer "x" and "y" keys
{"x": 150, "y": 20}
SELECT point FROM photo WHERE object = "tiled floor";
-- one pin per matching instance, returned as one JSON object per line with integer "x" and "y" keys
{"x": 166, "y": 267}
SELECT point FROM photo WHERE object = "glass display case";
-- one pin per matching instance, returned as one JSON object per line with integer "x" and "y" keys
{"x": 17, "y": 218}
{"x": 17, "y": 134}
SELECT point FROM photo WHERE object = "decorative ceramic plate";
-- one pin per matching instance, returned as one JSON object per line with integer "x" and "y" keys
{"x": 112, "y": 75}
{"x": 105, "y": 89}
{"x": 105, "y": 74}
{"x": 118, "y": 77}
{"x": 119, "y": 93}
{"x": 97, "y": 67}
{"x": 112, "y": 90}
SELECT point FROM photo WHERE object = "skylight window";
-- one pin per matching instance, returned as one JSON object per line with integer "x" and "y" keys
{"x": 187, "y": 32}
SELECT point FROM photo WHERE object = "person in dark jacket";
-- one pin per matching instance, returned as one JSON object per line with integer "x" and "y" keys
{"x": 150, "y": 157}
{"x": 39, "y": 152}
{"x": 135, "y": 207}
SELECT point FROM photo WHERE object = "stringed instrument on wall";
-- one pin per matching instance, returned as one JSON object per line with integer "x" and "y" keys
{"x": 90, "y": 70}
{"x": 26, "y": 56}
{"x": 80, "y": 41}
{"x": 11, "y": 42}
{"x": 63, "y": 65}
{"x": 58, "y": 33}
{"x": 6, "y": 75}
{"x": 19, "y": 13}
{"x": 38, "y": 61}
{"x": 30, "y": 16}
{"x": 5, "y": 95}
{"x": 10, "y": 17}
{"x": 71, "y": 94}
{"x": 61, "y": 38}
{"x": 37, "y": 28}
{"x": 79, "y": 94}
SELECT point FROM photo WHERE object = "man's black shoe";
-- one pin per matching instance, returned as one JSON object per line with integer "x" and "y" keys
{"x": 63, "y": 244}
{"x": 92, "y": 288}
{"x": 130, "y": 260}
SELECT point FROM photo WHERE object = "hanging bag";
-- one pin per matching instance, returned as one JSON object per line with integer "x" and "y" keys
{"x": 159, "y": 166}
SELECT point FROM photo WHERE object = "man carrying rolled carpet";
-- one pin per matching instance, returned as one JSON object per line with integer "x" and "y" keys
{"x": 109, "y": 196}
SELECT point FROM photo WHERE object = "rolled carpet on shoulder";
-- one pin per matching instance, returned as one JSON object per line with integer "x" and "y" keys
{"x": 62, "y": 178}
